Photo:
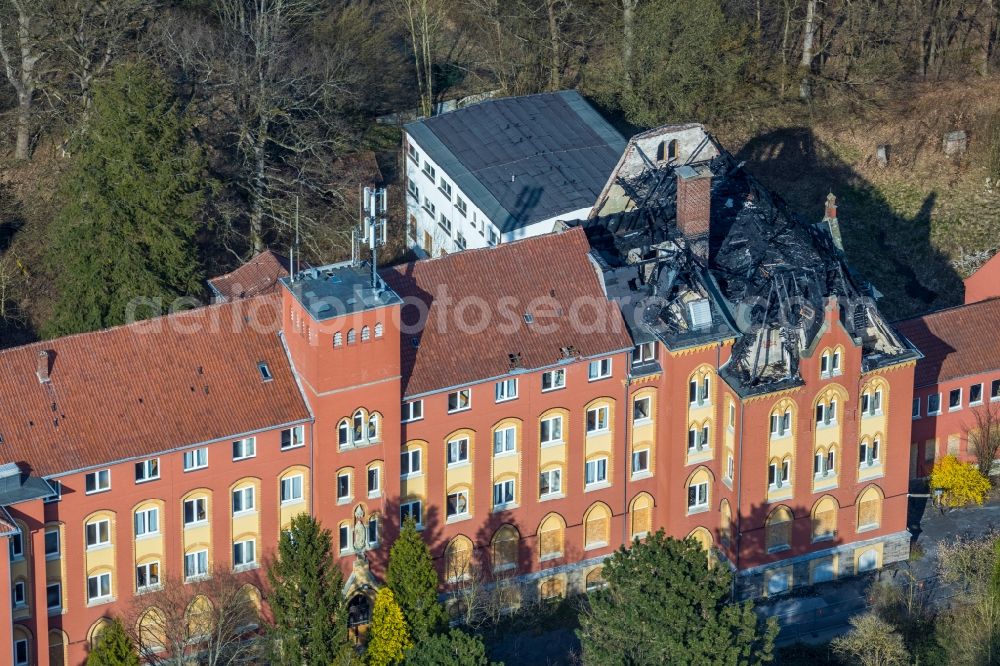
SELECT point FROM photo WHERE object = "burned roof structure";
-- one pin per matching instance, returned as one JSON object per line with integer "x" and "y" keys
{"x": 696, "y": 250}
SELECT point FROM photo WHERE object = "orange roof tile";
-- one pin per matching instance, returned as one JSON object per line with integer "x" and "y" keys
{"x": 550, "y": 277}
{"x": 148, "y": 387}
{"x": 258, "y": 276}
{"x": 956, "y": 342}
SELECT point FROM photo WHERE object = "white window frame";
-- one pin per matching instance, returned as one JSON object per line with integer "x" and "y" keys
{"x": 98, "y": 541}
{"x": 700, "y": 497}
{"x": 915, "y": 409}
{"x": 290, "y": 481}
{"x": 199, "y": 560}
{"x": 981, "y": 392}
{"x": 458, "y": 494}
{"x": 506, "y": 390}
{"x": 960, "y": 396}
{"x": 415, "y": 453}
{"x": 195, "y": 502}
{"x": 296, "y": 438}
{"x": 555, "y": 489}
{"x": 142, "y": 517}
{"x": 240, "y": 549}
{"x": 196, "y": 459}
{"x": 150, "y": 585}
{"x": 602, "y": 422}
{"x": 58, "y": 586}
{"x": 349, "y": 495}
{"x": 413, "y": 410}
{"x": 730, "y": 466}
{"x": 245, "y": 448}
{"x": 649, "y": 409}
{"x": 595, "y": 472}
{"x": 246, "y": 507}
{"x": 506, "y": 438}
{"x": 835, "y": 363}
{"x": 16, "y": 546}
{"x": 508, "y": 493}
{"x": 454, "y": 446}
{"x": 549, "y": 440}
{"x": 552, "y": 376}
{"x": 19, "y": 599}
{"x": 824, "y": 365}
{"x": 100, "y": 597}
{"x": 409, "y": 505}
{"x": 100, "y": 480}
{"x": 145, "y": 467}
{"x": 870, "y": 459}
{"x": 459, "y": 407}
{"x": 599, "y": 369}
{"x": 58, "y": 540}
{"x": 640, "y": 455}
{"x": 27, "y": 652}
{"x": 344, "y": 538}
{"x": 644, "y": 352}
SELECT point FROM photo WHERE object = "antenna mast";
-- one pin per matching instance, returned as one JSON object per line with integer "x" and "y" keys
{"x": 372, "y": 230}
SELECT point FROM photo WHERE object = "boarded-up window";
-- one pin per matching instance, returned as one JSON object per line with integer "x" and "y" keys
{"x": 457, "y": 558}
{"x": 642, "y": 516}
{"x": 953, "y": 441}
{"x": 824, "y": 520}
{"x": 930, "y": 449}
{"x": 596, "y": 528}
{"x": 551, "y": 588}
{"x": 779, "y": 529}
{"x": 595, "y": 579}
{"x": 725, "y": 523}
{"x": 505, "y": 548}
{"x": 869, "y": 509}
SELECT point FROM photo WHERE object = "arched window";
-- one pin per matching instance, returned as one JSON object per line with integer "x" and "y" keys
{"x": 596, "y": 525}
{"x": 778, "y": 530}
{"x": 868, "y": 560}
{"x": 351, "y": 336}
{"x": 58, "y": 645}
{"x": 672, "y": 150}
{"x": 550, "y": 537}
{"x": 642, "y": 515}
{"x": 366, "y": 334}
{"x": 782, "y": 419}
{"x": 703, "y": 537}
{"x": 824, "y": 519}
{"x": 779, "y": 473}
{"x": 359, "y": 426}
{"x": 152, "y": 630}
{"x": 698, "y": 487}
{"x": 458, "y": 559}
{"x": 373, "y": 427}
{"x": 338, "y": 339}
{"x": 825, "y": 462}
{"x": 94, "y": 633}
{"x": 22, "y": 645}
{"x": 378, "y": 329}
{"x": 552, "y": 587}
{"x": 725, "y": 523}
{"x": 343, "y": 433}
{"x": 661, "y": 151}
{"x": 199, "y": 616}
{"x": 869, "y": 452}
{"x": 700, "y": 387}
{"x": 824, "y": 364}
{"x": 595, "y": 579}
{"x": 504, "y": 547}
{"x": 869, "y": 509}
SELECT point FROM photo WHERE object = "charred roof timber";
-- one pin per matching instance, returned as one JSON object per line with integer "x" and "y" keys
{"x": 695, "y": 250}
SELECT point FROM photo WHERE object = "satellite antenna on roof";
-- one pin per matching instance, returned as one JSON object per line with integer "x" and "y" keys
{"x": 372, "y": 230}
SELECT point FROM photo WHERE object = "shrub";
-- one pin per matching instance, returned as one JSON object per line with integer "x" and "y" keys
{"x": 963, "y": 484}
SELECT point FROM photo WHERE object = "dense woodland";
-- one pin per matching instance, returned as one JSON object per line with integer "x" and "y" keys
{"x": 147, "y": 145}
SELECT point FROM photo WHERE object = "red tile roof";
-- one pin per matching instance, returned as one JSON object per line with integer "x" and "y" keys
{"x": 143, "y": 388}
{"x": 956, "y": 342}
{"x": 258, "y": 276}
{"x": 549, "y": 277}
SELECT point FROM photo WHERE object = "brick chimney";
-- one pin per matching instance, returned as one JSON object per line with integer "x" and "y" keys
{"x": 43, "y": 366}
{"x": 694, "y": 206}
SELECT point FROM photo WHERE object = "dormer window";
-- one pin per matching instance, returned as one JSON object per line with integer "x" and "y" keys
{"x": 700, "y": 313}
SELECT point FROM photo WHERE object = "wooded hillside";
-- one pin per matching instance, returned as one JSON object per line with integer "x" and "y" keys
{"x": 240, "y": 113}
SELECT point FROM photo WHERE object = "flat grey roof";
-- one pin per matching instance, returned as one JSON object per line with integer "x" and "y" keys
{"x": 339, "y": 289}
{"x": 525, "y": 159}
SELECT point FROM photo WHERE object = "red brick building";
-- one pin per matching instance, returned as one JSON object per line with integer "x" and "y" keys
{"x": 707, "y": 366}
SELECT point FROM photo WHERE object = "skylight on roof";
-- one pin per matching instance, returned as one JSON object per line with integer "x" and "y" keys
{"x": 700, "y": 312}
{"x": 265, "y": 372}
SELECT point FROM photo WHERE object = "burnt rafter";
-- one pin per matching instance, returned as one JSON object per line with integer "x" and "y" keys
{"x": 762, "y": 276}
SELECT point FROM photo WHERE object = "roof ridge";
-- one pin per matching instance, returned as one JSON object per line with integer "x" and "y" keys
{"x": 945, "y": 310}
{"x": 200, "y": 310}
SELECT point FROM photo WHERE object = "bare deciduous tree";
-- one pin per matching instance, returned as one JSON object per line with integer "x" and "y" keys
{"x": 22, "y": 31}
{"x": 984, "y": 436}
{"x": 215, "y": 618}
{"x": 872, "y": 642}
{"x": 424, "y": 21}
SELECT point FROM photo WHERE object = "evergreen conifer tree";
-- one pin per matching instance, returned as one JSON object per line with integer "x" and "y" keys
{"x": 664, "y": 605}
{"x": 126, "y": 227}
{"x": 113, "y": 648}
{"x": 310, "y": 616}
{"x": 389, "y": 637}
{"x": 414, "y": 581}
{"x": 455, "y": 648}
